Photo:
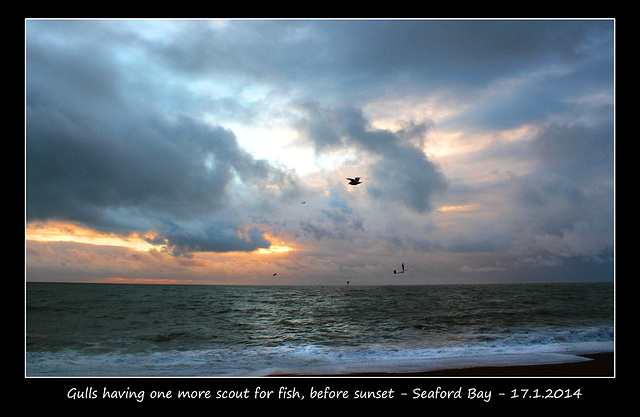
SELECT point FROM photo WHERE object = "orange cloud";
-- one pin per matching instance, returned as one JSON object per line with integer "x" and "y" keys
{"x": 57, "y": 250}
{"x": 459, "y": 209}
{"x": 53, "y": 231}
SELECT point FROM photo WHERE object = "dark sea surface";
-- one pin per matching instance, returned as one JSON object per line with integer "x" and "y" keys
{"x": 173, "y": 330}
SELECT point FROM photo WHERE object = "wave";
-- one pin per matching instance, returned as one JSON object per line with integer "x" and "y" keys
{"x": 491, "y": 349}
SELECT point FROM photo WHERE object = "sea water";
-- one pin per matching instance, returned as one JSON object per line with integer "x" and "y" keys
{"x": 189, "y": 330}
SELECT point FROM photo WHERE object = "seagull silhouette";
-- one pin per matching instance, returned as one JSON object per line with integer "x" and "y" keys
{"x": 354, "y": 181}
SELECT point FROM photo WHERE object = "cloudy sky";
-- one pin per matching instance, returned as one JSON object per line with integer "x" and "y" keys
{"x": 217, "y": 152}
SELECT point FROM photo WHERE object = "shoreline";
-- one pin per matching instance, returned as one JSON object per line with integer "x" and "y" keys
{"x": 598, "y": 365}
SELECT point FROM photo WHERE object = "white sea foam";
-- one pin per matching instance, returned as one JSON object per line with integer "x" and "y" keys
{"x": 309, "y": 359}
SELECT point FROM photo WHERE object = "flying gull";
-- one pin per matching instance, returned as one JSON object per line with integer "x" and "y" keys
{"x": 354, "y": 181}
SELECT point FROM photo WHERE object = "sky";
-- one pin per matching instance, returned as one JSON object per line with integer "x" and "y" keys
{"x": 218, "y": 151}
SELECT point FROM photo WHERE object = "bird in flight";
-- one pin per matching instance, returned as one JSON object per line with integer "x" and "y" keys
{"x": 401, "y": 272}
{"x": 354, "y": 181}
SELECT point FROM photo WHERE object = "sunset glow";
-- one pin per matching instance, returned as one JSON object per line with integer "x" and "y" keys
{"x": 274, "y": 250}
{"x": 464, "y": 208}
{"x": 52, "y": 231}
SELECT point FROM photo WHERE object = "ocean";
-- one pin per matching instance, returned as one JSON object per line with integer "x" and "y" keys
{"x": 121, "y": 330}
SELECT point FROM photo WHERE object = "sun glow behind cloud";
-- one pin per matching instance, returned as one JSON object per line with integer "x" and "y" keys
{"x": 278, "y": 246}
{"x": 52, "y": 231}
{"x": 274, "y": 249}
{"x": 460, "y": 209}
{"x": 132, "y": 260}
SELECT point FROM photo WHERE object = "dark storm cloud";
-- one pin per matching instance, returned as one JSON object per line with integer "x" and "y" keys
{"x": 212, "y": 236}
{"x": 98, "y": 155}
{"x": 567, "y": 202}
{"x": 327, "y": 59}
{"x": 576, "y": 152}
{"x": 497, "y": 74}
{"x": 401, "y": 171}
{"x": 410, "y": 56}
